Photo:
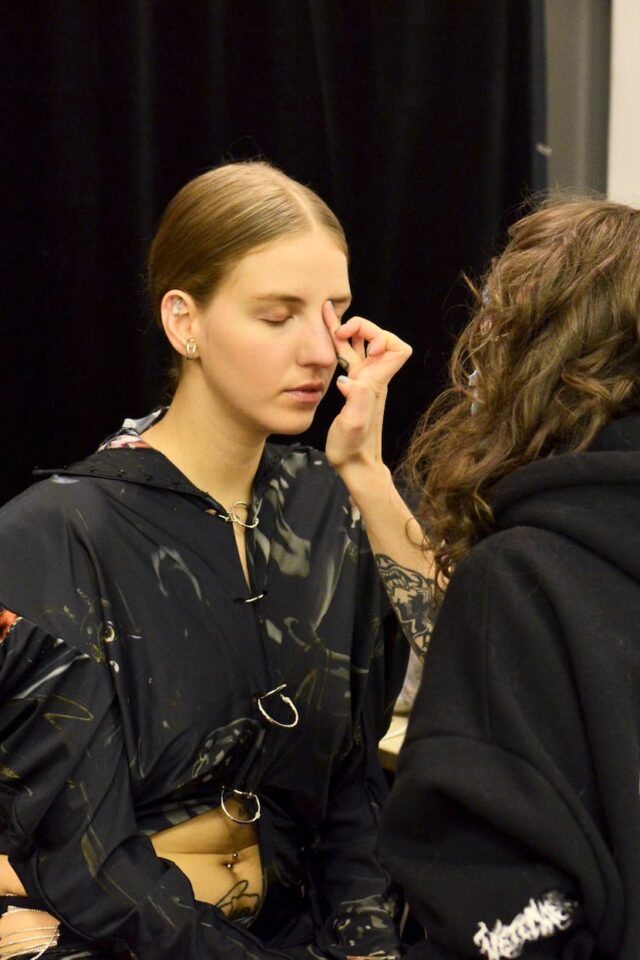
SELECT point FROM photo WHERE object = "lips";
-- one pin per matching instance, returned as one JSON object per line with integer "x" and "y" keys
{"x": 311, "y": 392}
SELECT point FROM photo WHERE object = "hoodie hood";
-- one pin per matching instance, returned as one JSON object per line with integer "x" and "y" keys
{"x": 592, "y": 498}
{"x": 125, "y": 458}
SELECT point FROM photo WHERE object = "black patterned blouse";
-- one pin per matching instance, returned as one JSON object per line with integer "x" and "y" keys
{"x": 132, "y": 661}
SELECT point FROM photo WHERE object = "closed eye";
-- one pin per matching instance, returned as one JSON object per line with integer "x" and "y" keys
{"x": 275, "y": 321}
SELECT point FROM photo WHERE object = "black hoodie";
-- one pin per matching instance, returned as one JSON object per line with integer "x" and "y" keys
{"x": 514, "y": 823}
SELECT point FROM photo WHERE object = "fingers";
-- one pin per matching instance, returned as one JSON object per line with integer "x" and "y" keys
{"x": 346, "y": 356}
{"x": 359, "y": 330}
{"x": 355, "y": 436}
{"x": 367, "y": 339}
{"x": 358, "y": 409}
{"x": 361, "y": 399}
{"x": 359, "y": 344}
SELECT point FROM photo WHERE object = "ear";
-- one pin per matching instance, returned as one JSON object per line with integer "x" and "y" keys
{"x": 178, "y": 311}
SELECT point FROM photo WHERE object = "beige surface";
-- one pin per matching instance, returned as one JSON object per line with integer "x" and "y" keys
{"x": 389, "y": 746}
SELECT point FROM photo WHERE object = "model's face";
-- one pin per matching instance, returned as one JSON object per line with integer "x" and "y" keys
{"x": 265, "y": 352}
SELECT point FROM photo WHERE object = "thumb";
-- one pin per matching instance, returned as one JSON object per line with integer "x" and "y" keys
{"x": 345, "y": 384}
{"x": 360, "y": 401}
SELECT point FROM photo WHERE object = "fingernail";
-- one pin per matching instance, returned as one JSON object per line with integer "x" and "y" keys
{"x": 342, "y": 377}
{"x": 343, "y": 363}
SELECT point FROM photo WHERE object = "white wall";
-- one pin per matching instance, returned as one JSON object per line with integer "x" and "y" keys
{"x": 577, "y": 47}
{"x": 623, "y": 180}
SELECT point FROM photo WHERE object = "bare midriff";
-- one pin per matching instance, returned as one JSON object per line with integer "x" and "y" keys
{"x": 221, "y": 858}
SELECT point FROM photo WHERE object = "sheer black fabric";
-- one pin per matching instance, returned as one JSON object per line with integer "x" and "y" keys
{"x": 131, "y": 668}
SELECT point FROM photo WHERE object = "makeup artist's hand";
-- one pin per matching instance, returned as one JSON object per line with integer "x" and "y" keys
{"x": 369, "y": 357}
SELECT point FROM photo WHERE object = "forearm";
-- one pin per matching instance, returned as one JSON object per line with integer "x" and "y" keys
{"x": 354, "y": 448}
{"x": 405, "y": 564}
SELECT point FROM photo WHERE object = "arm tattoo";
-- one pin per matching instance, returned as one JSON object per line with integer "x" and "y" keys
{"x": 412, "y": 597}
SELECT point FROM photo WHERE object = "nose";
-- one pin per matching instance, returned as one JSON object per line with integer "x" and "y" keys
{"x": 316, "y": 348}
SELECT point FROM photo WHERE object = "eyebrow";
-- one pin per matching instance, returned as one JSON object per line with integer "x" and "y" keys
{"x": 297, "y": 301}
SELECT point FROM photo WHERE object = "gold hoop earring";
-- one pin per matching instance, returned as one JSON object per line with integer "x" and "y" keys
{"x": 191, "y": 349}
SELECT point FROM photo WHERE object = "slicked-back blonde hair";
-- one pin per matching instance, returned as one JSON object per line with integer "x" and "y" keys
{"x": 555, "y": 339}
{"x": 218, "y": 218}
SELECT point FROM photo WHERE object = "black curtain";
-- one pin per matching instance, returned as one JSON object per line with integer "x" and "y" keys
{"x": 417, "y": 120}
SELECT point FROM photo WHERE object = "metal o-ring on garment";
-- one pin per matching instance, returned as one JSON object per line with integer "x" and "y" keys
{"x": 234, "y": 518}
{"x": 286, "y": 700}
{"x": 245, "y": 795}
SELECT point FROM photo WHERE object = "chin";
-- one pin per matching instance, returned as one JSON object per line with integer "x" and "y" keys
{"x": 291, "y": 426}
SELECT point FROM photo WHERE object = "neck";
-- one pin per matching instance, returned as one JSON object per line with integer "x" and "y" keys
{"x": 209, "y": 448}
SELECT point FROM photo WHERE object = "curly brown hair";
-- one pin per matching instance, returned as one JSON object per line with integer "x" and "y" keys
{"x": 554, "y": 338}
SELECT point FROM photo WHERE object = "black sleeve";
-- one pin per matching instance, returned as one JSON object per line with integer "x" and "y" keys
{"x": 356, "y": 913}
{"x": 68, "y": 819}
{"x": 492, "y": 825}
{"x": 356, "y": 910}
